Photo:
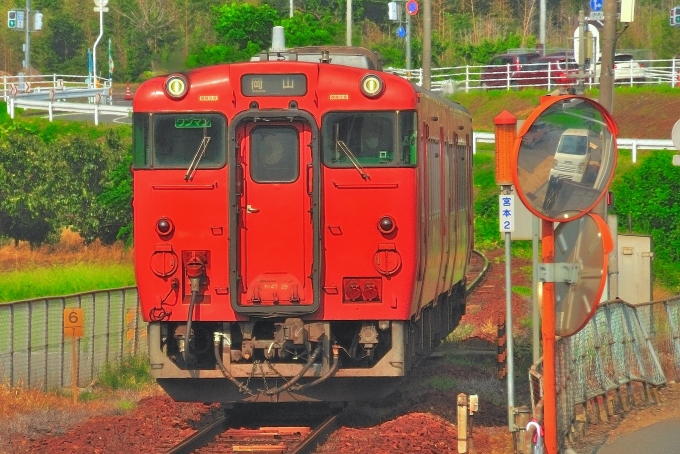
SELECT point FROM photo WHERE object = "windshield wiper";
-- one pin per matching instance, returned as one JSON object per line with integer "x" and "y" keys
{"x": 197, "y": 158}
{"x": 345, "y": 149}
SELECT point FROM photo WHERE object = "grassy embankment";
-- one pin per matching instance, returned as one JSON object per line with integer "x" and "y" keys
{"x": 62, "y": 269}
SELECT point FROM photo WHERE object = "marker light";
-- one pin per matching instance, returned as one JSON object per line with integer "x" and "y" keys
{"x": 176, "y": 86}
{"x": 371, "y": 86}
{"x": 386, "y": 225}
{"x": 164, "y": 226}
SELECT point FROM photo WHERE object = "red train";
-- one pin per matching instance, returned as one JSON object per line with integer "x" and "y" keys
{"x": 302, "y": 225}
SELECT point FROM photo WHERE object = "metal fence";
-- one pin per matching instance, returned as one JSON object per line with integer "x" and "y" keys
{"x": 34, "y": 352}
{"x": 596, "y": 368}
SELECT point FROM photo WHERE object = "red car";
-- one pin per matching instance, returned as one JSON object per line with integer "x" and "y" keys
{"x": 499, "y": 72}
{"x": 550, "y": 71}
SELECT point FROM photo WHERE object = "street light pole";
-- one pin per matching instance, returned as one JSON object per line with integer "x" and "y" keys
{"x": 99, "y": 6}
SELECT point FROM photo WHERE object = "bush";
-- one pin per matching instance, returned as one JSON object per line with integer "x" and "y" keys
{"x": 133, "y": 372}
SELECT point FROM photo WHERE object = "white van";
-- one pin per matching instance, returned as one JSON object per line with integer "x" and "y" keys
{"x": 573, "y": 155}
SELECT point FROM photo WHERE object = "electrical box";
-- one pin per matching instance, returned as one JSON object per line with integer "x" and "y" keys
{"x": 627, "y": 10}
{"x": 37, "y": 21}
{"x": 392, "y": 12}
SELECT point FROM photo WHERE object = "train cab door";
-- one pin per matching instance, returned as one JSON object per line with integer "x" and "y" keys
{"x": 273, "y": 244}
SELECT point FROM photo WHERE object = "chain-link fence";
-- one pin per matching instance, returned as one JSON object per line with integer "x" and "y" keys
{"x": 35, "y": 353}
{"x": 596, "y": 368}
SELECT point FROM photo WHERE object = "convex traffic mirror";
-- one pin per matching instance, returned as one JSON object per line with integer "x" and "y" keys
{"x": 566, "y": 157}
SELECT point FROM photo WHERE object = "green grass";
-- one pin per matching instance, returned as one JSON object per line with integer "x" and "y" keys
{"x": 131, "y": 373}
{"x": 63, "y": 280}
{"x": 522, "y": 290}
{"x": 461, "y": 333}
{"x": 442, "y": 383}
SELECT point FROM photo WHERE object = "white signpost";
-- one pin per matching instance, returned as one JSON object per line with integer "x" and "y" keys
{"x": 506, "y": 212}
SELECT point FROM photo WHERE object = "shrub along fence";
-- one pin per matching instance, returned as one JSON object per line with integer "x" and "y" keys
{"x": 35, "y": 353}
{"x": 596, "y": 369}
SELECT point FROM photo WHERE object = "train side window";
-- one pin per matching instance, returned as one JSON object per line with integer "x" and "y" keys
{"x": 408, "y": 135}
{"x": 274, "y": 154}
{"x": 179, "y": 137}
{"x": 368, "y": 139}
{"x": 141, "y": 140}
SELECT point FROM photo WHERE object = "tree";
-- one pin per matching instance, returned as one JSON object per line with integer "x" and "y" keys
{"x": 244, "y": 25}
{"x": 303, "y": 29}
{"x": 153, "y": 23}
{"x": 27, "y": 209}
{"x": 243, "y": 31}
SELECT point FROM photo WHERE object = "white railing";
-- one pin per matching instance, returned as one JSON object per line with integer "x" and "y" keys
{"x": 469, "y": 77}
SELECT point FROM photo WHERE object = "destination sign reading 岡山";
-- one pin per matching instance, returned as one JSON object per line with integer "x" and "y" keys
{"x": 274, "y": 84}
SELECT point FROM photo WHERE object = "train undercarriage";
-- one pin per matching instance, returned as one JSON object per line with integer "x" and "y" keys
{"x": 290, "y": 359}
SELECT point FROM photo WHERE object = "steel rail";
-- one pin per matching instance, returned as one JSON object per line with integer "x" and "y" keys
{"x": 209, "y": 433}
{"x": 201, "y": 438}
{"x": 318, "y": 435}
{"x": 470, "y": 287}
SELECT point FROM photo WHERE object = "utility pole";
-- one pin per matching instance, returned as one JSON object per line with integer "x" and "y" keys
{"x": 542, "y": 25}
{"x": 580, "y": 84}
{"x": 349, "y": 24}
{"x": 408, "y": 41}
{"x": 27, "y": 51}
{"x": 607, "y": 61}
{"x": 427, "y": 44}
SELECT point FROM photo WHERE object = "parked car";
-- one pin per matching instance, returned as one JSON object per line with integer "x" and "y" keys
{"x": 535, "y": 134}
{"x": 626, "y": 69}
{"x": 573, "y": 155}
{"x": 501, "y": 67}
{"x": 550, "y": 71}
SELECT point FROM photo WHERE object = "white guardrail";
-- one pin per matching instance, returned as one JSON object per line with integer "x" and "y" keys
{"x": 53, "y": 93}
{"x": 629, "y": 144}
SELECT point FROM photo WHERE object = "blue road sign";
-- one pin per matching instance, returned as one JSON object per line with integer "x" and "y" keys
{"x": 596, "y": 5}
{"x": 401, "y": 32}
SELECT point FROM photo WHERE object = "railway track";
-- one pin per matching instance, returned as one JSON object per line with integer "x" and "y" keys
{"x": 226, "y": 435}
{"x": 476, "y": 271}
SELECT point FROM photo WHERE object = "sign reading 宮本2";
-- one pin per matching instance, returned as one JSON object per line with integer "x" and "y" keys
{"x": 506, "y": 212}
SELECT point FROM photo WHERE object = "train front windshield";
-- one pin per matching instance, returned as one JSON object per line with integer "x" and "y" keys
{"x": 176, "y": 140}
{"x": 371, "y": 139}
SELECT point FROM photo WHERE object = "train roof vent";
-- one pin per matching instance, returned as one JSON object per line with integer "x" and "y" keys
{"x": 278, "y": 40}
